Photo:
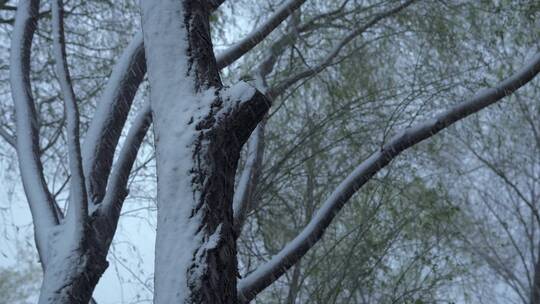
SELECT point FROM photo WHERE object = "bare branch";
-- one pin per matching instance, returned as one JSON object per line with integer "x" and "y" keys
{"x": 78, "y": 206}
{"x": 10, "y": 139}
{"x": 267, "y": 273}
{"x": 328, "y": 60}
{"x": 27, "y": 127}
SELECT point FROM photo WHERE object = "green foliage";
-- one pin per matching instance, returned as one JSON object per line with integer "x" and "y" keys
{"x": 20, "y": 284}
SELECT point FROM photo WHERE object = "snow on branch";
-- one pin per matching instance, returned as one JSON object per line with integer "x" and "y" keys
{"x": 78, "y": 206}
{"x": 269, "y": 272}
{"x": 117, "y": 191}
{"x": 257, "y": 35}
{"x": 27, "y": 127}
{"x": 244, "y": 108}
{"x": 244, "y": 192}
{"x": 110, "y": 117}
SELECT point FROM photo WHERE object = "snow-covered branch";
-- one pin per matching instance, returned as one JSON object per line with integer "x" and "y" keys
{"x": 78, "y": 206}
{"x": 110, "y": 117}
{"x": 27, "y": 127}
{"x": 249, "y": 178}
{"x": 117, "y": 191}
{"x": 269, "y": 272}
{"x": 257, "y": 35}
{"x": 243, "y": 195}
{"x": 246, "y": 108}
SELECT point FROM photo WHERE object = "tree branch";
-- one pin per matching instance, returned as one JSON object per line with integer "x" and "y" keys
{"x": 78, "y": 204}
{"x": 269, "y": 272}
{"x": 256, "y": 36}
{"x": 327, "y": 61}
{"x": 10, "y": 139}
{"x": 246, "y": 108}
{"x": 244, "y": 192}
{"x": 117, "y": 187}
{"x": 110, "y": 117}
{"x": 27, "y": 127}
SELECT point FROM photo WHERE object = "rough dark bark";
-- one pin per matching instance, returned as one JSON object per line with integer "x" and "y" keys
{"x": 104, "y": 147}
{"x": 216, "y": 162}
{"x": 535, "y": 292}
{"x": 228, "y": 120}
{"x": 214, "y": 174}
{"x": 71, "y": 276}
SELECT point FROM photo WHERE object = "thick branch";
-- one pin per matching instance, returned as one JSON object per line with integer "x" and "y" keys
{"x": 269, "y": 272}
{"x": 78, "y": 206}
{"x": 249, "y": 178}
{"x": 244, "y": 192}
{"x": 246, "y": 108}
{"x": 110, "y": 117}
{"x": 27, "y": 127}
{"x": 117, "y": 187}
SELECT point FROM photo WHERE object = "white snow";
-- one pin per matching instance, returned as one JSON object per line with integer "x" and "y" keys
{"x": 240, "y": 92}
{"x": 105, "y": 106}
{"x": 242, "y": 188}
{"x": 176, "y": 109}
{"x": 29, "y": 163}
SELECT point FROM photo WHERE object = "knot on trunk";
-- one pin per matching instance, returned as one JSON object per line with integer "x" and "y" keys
{"x": 236, "y": 112}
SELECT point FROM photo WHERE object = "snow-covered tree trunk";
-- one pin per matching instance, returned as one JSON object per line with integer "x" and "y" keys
{"x": 199, "y": 129}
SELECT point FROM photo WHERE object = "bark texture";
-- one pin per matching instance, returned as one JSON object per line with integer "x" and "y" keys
{"x": 194, "y": 203}
{"x": 73, "y": 273}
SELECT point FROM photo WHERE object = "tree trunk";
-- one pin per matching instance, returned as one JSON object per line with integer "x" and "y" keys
{"x": 74, "y": 267}
{"x": 199, "y": 129}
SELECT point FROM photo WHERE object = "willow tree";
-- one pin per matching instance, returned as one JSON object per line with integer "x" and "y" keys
{"x": 200, "y": 126}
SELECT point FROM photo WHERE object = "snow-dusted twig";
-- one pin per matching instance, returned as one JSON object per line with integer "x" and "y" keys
{"x": 269, "y": 272}
{"x": 78, "y": 204}
{"x": 39, "y": 198}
